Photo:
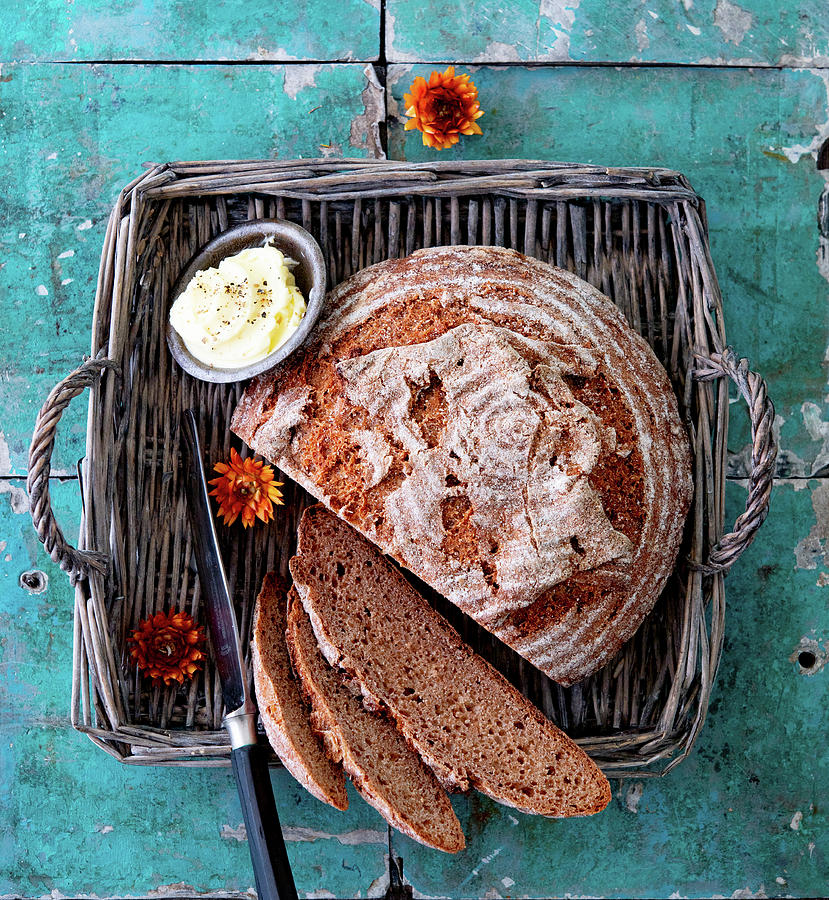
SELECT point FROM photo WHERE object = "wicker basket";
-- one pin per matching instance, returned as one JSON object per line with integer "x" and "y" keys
{"x": 639, "y": 235}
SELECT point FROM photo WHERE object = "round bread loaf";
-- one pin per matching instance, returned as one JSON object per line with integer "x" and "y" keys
{"x": 493, "y": 424}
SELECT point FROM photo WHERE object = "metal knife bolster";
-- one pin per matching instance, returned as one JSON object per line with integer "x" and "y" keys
{"x": 241, "y": 725}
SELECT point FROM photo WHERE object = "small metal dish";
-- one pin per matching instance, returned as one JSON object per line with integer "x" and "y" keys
{"x": 294, "y": 242}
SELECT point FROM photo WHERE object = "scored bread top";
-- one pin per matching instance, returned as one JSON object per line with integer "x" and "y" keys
{"x": 494, "y": 424}
{"x": 465, "y": 720}
{"x": 281, "y": 707}
{"x": 389, "y": 775}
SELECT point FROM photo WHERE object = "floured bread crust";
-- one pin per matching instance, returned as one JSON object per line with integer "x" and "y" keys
{"x": 493, "y": 424}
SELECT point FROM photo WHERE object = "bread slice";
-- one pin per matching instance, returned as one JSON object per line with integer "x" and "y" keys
{"x": 384, "y": 769}
{"x": 281, "y": 706}
{"x": 470, "y": 725}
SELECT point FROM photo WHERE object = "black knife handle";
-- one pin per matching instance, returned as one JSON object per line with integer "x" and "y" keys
{"x": 274, "y": 880}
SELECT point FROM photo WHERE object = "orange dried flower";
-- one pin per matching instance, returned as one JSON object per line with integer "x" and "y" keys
{"x": 245, "y": 486}
{"x": 168, "y": 646}
{"x": 443, "y": 108}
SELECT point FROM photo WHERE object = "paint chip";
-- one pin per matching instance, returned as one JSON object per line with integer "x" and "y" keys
{"x": 18, "y": 500}
{"x": 365, "y": 127}
{"x": 733, "y": 21}
{"x": 239, "y": 833}
{"x": 633, "y": 796}
{"x": 561, "y": 15}
{"x": 85, "y": 225}
{"x": 42, "y": 291}
{"x": 22, "y": 235}
{"x": 52, "y": 156}
{"x": 507, "y": 882}
{"x": 641, "y": 32}
{"x": 347, "y": 838}
{"x": 104, "y": 829}
{"x": 66, "y": 281}
{"x": 297, "y": 78}
{"x": 797, "y": 818}
{"x": 66, "y": 254}
{"x": 693, "y": 29}
{"x": 810, "y": 551}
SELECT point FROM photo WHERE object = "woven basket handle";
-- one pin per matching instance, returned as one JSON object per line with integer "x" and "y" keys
{"x": 763, "y": 454}
{"x": 77, "y": 563}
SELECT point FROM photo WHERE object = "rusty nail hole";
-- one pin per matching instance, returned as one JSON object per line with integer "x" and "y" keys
{"x": 34, "y": 581}
{"x": 823, "y": 156}
{"x": 806, "y": 659}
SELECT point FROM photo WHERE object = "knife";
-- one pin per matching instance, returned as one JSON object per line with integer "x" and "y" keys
{"x": 271, "y": 868}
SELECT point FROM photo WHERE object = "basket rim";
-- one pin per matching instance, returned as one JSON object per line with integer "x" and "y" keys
{"x": 161, "y": 183}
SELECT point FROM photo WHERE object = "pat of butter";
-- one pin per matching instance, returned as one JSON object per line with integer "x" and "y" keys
{"x": 241, "y": 311}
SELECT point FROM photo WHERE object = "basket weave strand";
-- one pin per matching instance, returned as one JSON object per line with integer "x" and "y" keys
{"x": 638, "y": 235}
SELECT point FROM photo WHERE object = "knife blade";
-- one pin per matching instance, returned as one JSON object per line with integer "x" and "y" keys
{"x": 271, "y": 867}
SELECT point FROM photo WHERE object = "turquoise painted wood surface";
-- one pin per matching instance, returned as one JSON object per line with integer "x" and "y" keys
{"x": 72, "y": 136}
{"x": 745, "y": 812}
{"x": 745, "y": 140}
{"x": 707, "y": 32}
{"x": 98, "y": 30}
{"x": 745, "y": 815}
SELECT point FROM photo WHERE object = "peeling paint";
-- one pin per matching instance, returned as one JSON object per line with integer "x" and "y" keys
{"x": 365, "y": 128}
{"x": 347, "y": 838}
{"x": 641, "y": 32}
{"x": 810, "y": 551}
{"x": 297, "y": 78}
{"x": 5, "y": 456}
{"x": 498, "y": 51}
{"x": 633, "y": 795}
{"x": 392, "y": 51}
{"x": 104, "y": 829}
{"x": 796, "y": 151}
{"x": 733, "y": 21}
{"x": 18, "y": 498}
{"x": 561, "y": 14}
{"x": 182, "y": 889}
{"x": 819, "y": 431}
{"x": 229, "y": 833}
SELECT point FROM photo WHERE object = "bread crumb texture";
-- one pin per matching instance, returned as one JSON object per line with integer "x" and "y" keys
{"x": 493, "y": 424}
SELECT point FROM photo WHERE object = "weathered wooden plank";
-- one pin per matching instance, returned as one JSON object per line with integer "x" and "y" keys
{"x": 96, "y": 30}
{"x": 741, "y": 813}
{"x": 746, "y": 139}
{"x": 76, "y": 821}
{"x": 742, "y": 816}
{"x": 706, "y": 32}
{"x": 71, "y": 137}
